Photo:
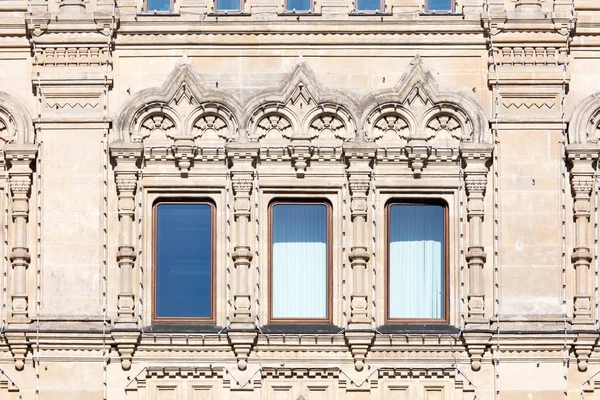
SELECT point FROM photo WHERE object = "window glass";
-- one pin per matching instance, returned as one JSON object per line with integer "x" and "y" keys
{"x": 228, "y": 5}
{"x": 183, "y": 260}
{"x": 298, "y": 5}
{"x": 368, "y": 5}
{"x": 439, "y": 5}
{"x": 416, "y": 261}
{"x": 158, "y": 5}
{"x": 299, "y": 261}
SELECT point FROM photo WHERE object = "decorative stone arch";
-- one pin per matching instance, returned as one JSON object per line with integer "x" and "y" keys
{"x": 16, "y": 125}
{"x": 416, "y": 99}
{"x": 300, "y": 97}
{"x": 584, "y": 127}
{"x": 183, "y": 95}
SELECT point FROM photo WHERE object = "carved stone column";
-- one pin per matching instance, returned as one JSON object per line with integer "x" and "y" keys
{"x": 127, "y": 157}
{"x": 582, "y": 161}
{"x": 476, "y": 158}
{"x": 242, "y": 335}
{"x": 359, "y": 335}
{"x": 19, "y": 159}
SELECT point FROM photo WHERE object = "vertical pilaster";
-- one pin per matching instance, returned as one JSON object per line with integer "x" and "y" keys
{"x": 583, "y": 161}
{"x": 476, "y": 159}
{"x": 359, "y": 335}
{"x": 19, "y": 159}
{"x": 126, "y": 157}
{"x": 242, "y": 159}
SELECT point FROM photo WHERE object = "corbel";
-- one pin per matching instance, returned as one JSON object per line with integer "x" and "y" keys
{"x": 18, "y": 343}
{"x": 19, "y": 159}
{"x": 476, "y": 158}
{"x": 476, "y": 344}
{"x": 583, "y": 347}
{"x": 359, "y": 335}
{"x": 300, "y": 152}
{"x": 582, "y": 159}
{"x": 184, "y": 151}
{"x": 126, "y": 342}
{"x": 418, "y": 157}
{"x": 242, "y": 336}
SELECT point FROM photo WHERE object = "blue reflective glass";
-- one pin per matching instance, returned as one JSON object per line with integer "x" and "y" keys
{"x": 299, "y": 261}
{"x": 416, "y": 261}
{"x": 439, "y": 5}
{"x": 228, "y": 5}
{"x": 298, "y": 5}
{"x": 183, "y": 260}
{"x": 369, "y": 5}
{"x": 158, "y": 5}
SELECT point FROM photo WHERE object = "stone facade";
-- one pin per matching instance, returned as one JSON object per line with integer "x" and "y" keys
{"x": 493, "y": 109}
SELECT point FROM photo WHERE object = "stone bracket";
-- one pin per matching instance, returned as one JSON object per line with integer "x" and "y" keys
{"x": 242, "y": 343}
{"x": 126, "y": 343}
{"x": 360, "y": 343}
{"x": 18, "y": 343}
{"x": 476, "y": 344}
{"x": 583, "y": 347}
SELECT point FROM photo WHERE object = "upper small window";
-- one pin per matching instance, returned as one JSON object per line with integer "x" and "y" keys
{"x": 369, "y": 5}
{"x": 183, "y": 261}
{"x": 228, "y": 6}
{"x": 416, "y": 262}
{"x": 158, "y": 6}
{"x": 300, "y": 262}
{"x": 298, "y": 5}
{"x": 439, "y": 5}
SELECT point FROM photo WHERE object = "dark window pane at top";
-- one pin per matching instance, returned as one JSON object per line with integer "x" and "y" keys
{"x": 439, "y": 5}
{"x": 159, "y": 5}
{"x": 298, "y": 5}
{"x": 369, "y": 5}
{"x": 183, "y": 261}
{"x": 228, "y": 5}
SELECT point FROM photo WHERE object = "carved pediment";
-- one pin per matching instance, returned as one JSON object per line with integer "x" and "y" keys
{"x": 416, "y": 109}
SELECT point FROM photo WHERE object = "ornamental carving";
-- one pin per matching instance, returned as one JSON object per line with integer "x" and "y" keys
{"x": 444, "y": 127}
{"x": 20, "y": 184}
{"x": 327, "y": 126}
{"x": 210, "y": 126}
{"x": 157, "y": 124}
{"x": 475, "y": 183}
{"x": 392, "y": 125}
{"x": 274, "y": 126}
{"x": 126, "y": 183}
{"x": 582, "y": 184}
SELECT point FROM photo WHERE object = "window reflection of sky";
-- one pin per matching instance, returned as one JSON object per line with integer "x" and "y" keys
{"x": 158, "y": 5}
{"x": 439, "y": 5}
{"x": 183, "y": 281}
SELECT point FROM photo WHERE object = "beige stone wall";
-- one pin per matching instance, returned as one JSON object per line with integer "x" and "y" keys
{"x": 79, "y": 85}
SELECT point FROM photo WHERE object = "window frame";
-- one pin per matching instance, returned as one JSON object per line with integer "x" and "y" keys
{"x": 446, "y": 260}
{"x": 360, "y": 12}
{"x": 310, "y": 11}
{"x": 329, "y": 268}
{"x": 154, "y": 12}
{"x": 452, "y": 9}
{"x": 213, "y": 258}
{"x": 238, "y": 11}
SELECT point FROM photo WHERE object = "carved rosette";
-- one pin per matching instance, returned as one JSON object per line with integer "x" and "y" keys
{"x": 582, "y": 160}
{"x": 19, "y": 160}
